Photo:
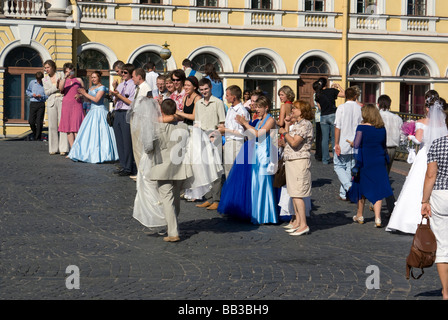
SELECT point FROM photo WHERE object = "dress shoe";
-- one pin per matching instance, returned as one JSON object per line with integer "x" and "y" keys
{"x": 52, "y": 153}
{"x": 360, "y": 220}
{"x": 63, "y": 153}
{"x": 203, "y": 205}
{"x": 171, "y": 239}
{"x": 378, "y": 223}
{"x": 299, "y": 233}
{"x": 117, "y": 171}
{"x": 124, "y": 173}
{"x": 213, "y": 206}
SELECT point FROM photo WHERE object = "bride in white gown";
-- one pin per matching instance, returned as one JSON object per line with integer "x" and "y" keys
{"x": 407, "y": 211}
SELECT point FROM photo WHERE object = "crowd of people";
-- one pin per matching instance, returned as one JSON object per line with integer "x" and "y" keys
{"x": 178, "y": 139}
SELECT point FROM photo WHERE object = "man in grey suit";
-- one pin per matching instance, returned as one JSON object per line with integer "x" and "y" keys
{"x": 170, "y": 170}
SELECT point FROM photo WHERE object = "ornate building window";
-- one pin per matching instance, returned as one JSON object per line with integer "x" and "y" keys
{"x": 314, "y": 5}
{"x": 259, "y": 64}
{"x": 370, "y": 87}
{"x": 201, "y": 60}
{"x": 365, "y": 67}
{"x": 91, "y": 60}
{"x": 257, "y": 67}
{"x": 314, "y": 65}
{"x": 261, "y": 4}
{"x": 412, "y": 92}
{"x": 147, "y": 56}
{"x": 150, "y": 1}
{"x": 206, "y": 3}
{"x": 414, "y": 68}
{"x": 366, "y": 6}
{"x": 416, "y": 8}
{"x": 21, "y": 65}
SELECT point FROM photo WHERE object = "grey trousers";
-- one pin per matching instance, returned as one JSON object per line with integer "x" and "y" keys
{"x": 169, "y": 191}
{"x": 57, "y": 141}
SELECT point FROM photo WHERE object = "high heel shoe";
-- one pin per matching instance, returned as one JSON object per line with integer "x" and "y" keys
{"x": 378, "y": 223}
{"x": 299, "y": 233}
{"x": 360, "y": 220}
{"x": 288, "y": 226}
{"x": 292, "y": 229}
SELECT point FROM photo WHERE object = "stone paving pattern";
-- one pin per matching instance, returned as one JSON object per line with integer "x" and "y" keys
{"x": 55, "y": 212}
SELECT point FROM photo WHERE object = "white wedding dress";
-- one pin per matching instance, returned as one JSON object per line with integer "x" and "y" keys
{"x": 206, "y": 163}
{"x": 407, "y": 211}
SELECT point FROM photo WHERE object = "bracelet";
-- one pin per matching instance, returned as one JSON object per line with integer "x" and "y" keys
{"x": 427, "y": 201}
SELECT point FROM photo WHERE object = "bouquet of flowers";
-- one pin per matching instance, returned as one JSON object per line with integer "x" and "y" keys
{"x": 408, "y": 129}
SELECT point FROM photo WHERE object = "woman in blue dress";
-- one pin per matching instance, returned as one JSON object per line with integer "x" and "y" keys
{"x": 248, "y": 192}
{"x": 371, "y": 158}
{"x": 95, "y": 142}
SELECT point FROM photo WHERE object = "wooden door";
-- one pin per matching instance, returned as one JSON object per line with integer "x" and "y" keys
{"x": 305, "y": 89}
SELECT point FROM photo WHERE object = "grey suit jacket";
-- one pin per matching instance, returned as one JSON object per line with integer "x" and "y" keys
{"x": 169, "y": 151}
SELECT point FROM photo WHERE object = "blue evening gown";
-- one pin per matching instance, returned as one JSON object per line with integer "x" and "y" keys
{"x": 236, "y": 193}
{"x": 95, "y": 141}
{"x": 264, "y": 198}
{"x": 371, "y": 159}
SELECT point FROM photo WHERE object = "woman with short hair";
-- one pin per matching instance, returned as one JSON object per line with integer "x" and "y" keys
{"x": 371, "y": 161}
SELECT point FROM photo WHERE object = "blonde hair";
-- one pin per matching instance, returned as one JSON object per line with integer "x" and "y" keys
{"x": 371, "y": 114}
{"x": 288, "y": 92}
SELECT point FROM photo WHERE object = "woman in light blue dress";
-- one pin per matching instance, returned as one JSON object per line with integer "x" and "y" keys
{"x": 95, "y": 142}
{"x": 263, "y": 196}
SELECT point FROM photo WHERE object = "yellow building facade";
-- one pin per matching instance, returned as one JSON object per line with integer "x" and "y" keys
{"x": 397, "y": 48}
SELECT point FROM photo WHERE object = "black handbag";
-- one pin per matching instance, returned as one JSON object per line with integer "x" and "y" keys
{"x": 110, "y": 117}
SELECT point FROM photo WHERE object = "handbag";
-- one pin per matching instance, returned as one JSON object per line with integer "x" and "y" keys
{"x": 423, "y": 250}
{"x": 280, "y": 175}
{"x": 110, "y": 118}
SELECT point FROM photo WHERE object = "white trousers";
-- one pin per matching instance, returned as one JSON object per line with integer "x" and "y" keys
{"x": 57, "y": 141}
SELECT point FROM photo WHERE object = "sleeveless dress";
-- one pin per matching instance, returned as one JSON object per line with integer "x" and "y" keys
{"x": 72, "y": 112}
{"x": 264, "y": 198}
{"x": 188, "y": 109}
{"x": 248, "y": 193}
{"x": 407, "y": 211}
{"x": 371, "y": 158}
{"x": 95, "y": 142}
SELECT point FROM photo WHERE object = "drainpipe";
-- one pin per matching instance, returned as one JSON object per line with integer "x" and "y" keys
{"x": 345, "y": 28}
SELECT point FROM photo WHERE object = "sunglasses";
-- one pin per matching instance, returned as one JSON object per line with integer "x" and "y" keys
{"x": 124, "y": 72}
{"x": 175, "y": 80}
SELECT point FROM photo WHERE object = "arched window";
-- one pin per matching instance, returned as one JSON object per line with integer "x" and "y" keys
{"x": 369, "y": 70}
{"x": 314, "y": 65}
{"x": 147, "y": 56}
{"x": 91, "y": 60}
{"x": 260, "y": 64}
{"x": 365, "y": 67}
{"x": 412, "y": 93}
{"x": 311, "y": 69}
{"x": 202, "y": 59}
{"x": 21, "y": 65}
{"x": 414, "y": 68}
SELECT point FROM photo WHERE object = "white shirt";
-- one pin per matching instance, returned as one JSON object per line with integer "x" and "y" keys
{"x": 231, "y": 123}
{"x": 348, "y": 117}
{"x": 392, "y": 123}
{"x": 151, "y": 79}
{"x": 143, "y": 89}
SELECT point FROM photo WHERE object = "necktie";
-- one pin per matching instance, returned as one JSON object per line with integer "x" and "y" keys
{"x": 136, "y": 92}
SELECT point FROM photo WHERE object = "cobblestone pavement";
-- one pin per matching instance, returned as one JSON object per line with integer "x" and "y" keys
{"x": 57, "y": 213}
